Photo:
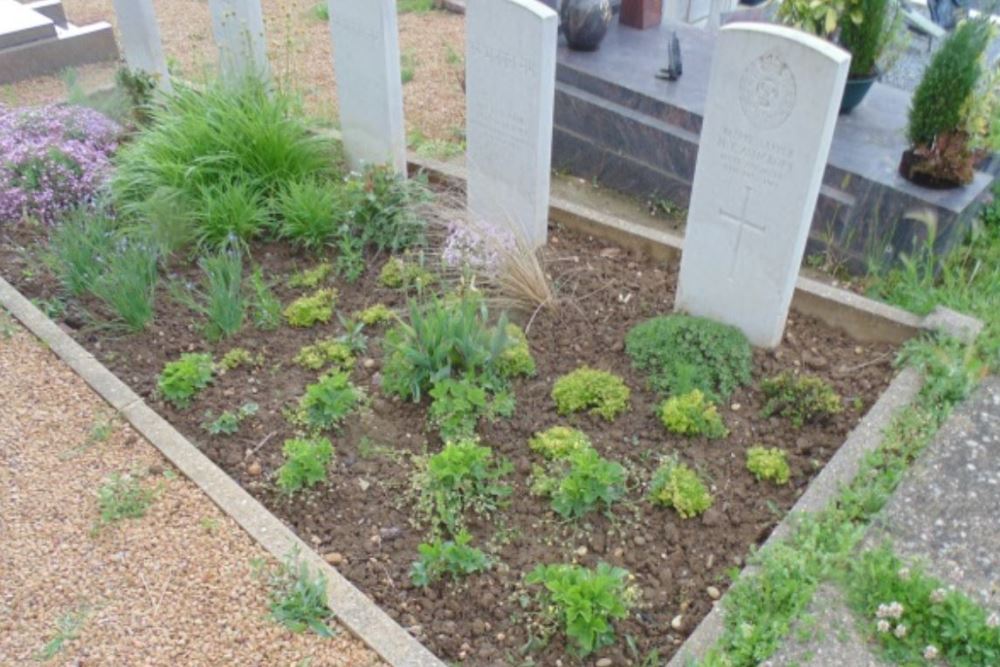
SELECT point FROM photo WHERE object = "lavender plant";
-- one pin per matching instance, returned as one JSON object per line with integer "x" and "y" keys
{"x": 54, "y": 158}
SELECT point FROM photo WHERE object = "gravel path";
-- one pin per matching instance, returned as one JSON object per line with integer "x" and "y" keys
{"x": 176, "y": 587}
{"x": 300, "y": 50}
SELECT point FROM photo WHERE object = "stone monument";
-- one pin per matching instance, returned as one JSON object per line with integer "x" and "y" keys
{"x": 238, "y": 28}
{"x": 140, "y": 37}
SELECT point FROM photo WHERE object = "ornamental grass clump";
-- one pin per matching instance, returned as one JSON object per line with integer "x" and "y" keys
{"x": 55, "y": 158}
{"x": 691, "y": 414}
{"x": 78, "y": 247}
{"x": 802, "y": 399}
{"x": 127, "y": 282}
{"x": 769, "y": 465}
{"x": 599, "y": 392}
{"x": 222, "y": 302}
{"x": 675, "y": 485}
{"x": 681, "y": 353}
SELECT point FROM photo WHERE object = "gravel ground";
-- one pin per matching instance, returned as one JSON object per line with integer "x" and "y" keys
{"x": 175, "y": 587}
{"x": 300, "y": 50}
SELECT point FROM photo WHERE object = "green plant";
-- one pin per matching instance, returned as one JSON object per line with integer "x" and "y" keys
{"x": 67, "y": 629}
{"x": 821, "y": 17}
{"x": 443, "y": 338}
{"x": 941, "y": 99}
{"x": 581, "y": 482}
{"x": 78, "y": 245}
{"x": 298, "y": 599}
{"x": 681, "y": 353}
{"x": 307, "y": 311}
{"x": 584, "y": 602}
{"x": 600, "y": 392}
{"x": 182, "y": 379}
{"x": 461, "y": 477}
{"x": 222, "y": 302}
{"x": 232, "y": 209}
{"x": 675, "y": 485}
{"x": 516, "y": 359}
{"x": 559, "y": 442}
{"x": 139, "y": 87}
{"x": 265, "y": 305}
{"x": 456, "y": 406}
{"x": 328, "y": 401}
{"x": 228, "y": 422}
{"x": 452, "y": 557}
{"x": 311, "y": 278}
{"x": 127, "y": 284}
{"x": 234, "y": 358}
{"x": 866, "y": 39}
{"x": 414, "y": 6}
{"x": 691, "y": 414}
{"x": 800, "y": 398}
{"x": 323, "y": 352}
{"x": 407, "y": 66}
{"x": 320, "y": 11}
{"x": 305, "y": 463}
{"x": 122, "y": 497}
{"x": 769, "y": 464}
{"x": 397, "y": 273}
{"x": 308, "y": 211}
{"x": 375, "y": 314}
{"x": 385, "y": 213}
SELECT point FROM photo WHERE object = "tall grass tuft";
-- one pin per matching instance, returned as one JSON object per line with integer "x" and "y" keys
{"x": 233, "y": 208}
{"x": 78, "y": 246}
{"x": 222, "y": 302}
{"x": 127, "y": 284}
{"x": 308, "y": 209}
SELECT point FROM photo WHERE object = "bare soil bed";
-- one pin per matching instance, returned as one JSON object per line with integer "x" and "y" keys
{"x": 363, "y": 516}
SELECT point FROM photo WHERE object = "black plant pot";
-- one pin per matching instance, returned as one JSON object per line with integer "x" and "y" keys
{"x": 855, "y": 91}
{"x": 585, "y": 22}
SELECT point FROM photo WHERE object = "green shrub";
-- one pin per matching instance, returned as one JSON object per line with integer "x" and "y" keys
{"x": 307, "y": 311}
{"x": 298, "y": 599}
{"x": 691, "y": 414}
{"x": 559, "y": 442}
{"x": 768, "y": 464}
{"x": 584, "y": 602}
{"x": 77, "y": 246}
{"x": 265, "y": 305}
{"x": 676, "y": 485}
{"x": 443, "y": 338}
{"x": 461, "y": 477}
{"x": 801, "y": 399}
{"x": 222, "y": 302}
{"x": 229, "y": 422}
{"x": 516, "y": 360}
{"x": 456, "y": 406}
{"x": 305, "y": 463}
{"x": 453, "y": 557}
{"x": 600, "y": 392}
{"x": 681, "y": 353}
{"x": 385, "y": 209}
{"x": 311, "y": 278}
{"x": 127, "y": 284}
{"x": 580, "y": 483}
{"x": 375, "y": 314}
{"x": 940, "y": 101}
{"x": 398, "y": 273}
{"x": 122, "y": 497}
{"x": 230, "y": 210}
{"x": 327, "y": 402}
{"x": 866, "y": 39}
{"x": 308, "y": 210}
{"x": 182, "y": 379}
{"x": 324, "y": 352}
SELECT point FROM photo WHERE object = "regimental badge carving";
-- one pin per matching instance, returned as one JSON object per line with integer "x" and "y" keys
{"x": 767, "y": 91}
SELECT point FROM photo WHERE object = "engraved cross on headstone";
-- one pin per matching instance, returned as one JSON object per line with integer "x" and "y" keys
{"x": 742, "y": 222}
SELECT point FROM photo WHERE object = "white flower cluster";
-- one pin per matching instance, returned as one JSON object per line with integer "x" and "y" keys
{"x": 891, "y": 610}
{"x": 931, "y": 652}
{"x": 937, "y": 595}
{"x": 993, "y": 621}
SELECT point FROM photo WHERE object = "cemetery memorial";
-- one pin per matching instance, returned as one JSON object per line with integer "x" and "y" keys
{"x": 527, "y": 440}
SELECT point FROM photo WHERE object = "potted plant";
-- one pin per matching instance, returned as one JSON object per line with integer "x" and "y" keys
{"x": 940, "y": 153}
{"x": 866, "y": 40}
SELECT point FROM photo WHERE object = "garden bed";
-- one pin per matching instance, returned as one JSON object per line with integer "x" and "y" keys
{"x": 362, "y": 516}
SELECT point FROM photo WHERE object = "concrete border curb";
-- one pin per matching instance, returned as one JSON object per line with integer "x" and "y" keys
{"x": 352, "y": 607}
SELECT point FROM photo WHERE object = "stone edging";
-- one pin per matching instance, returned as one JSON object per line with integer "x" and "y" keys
{"x": 352, "y": 607}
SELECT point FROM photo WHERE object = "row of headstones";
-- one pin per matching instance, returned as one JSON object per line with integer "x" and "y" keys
{"x": 768, "y": 124}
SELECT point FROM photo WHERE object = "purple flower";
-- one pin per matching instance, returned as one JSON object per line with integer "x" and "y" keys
{"x": 480, "y": 247}
{"x": 52, "y": 158}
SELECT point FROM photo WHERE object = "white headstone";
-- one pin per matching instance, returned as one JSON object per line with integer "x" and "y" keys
{"x": 773, "y": 98}
{"x": 140, "y": 36}
{"x": 510, "y": 93}
{"x": 20, "y": 25}
{"x": 369, "y": 84}
{"x": 238, "y": 28}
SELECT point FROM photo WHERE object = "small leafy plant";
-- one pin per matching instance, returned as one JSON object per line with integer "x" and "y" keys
{"x": 398, "y": 273}
{"x": 585, "y": 602}
{"x": 456, "y": 406}
{"x": 311, "y": 278}
{"x": 298, "y": 599}
{"x": 305, "y": 463}
{"x": 559, "y": 442}
{"x": 681, "y": 353}
{"x": 516, "y": 360}
{"x": 580, "y": 483}
{"x": 122, "y": 497}
{"x": 326, "y": 352}
{"x": 455, "y": 558}
{"x": 802, "y": 399}
{"x": 229, "y": 422}
{"x": 375, "y": 314}
{"x": 307, "y": 311}
{"x": 675, "y": 485}
{"x": 691, "y": 414}
{"x": 327, "y": 402}
{"x": 599, "y": 392}
{"x": 461, "y": 477}
{"x": 182, "y": 379}
{"x": 237, "y": 357}
{"x": 768, "y": 464}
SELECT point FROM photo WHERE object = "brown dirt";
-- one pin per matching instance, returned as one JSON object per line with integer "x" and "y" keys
{"x": 300, "y": 51}
{"x": 175, "y": 587}
{"x": 364, "y": 513}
